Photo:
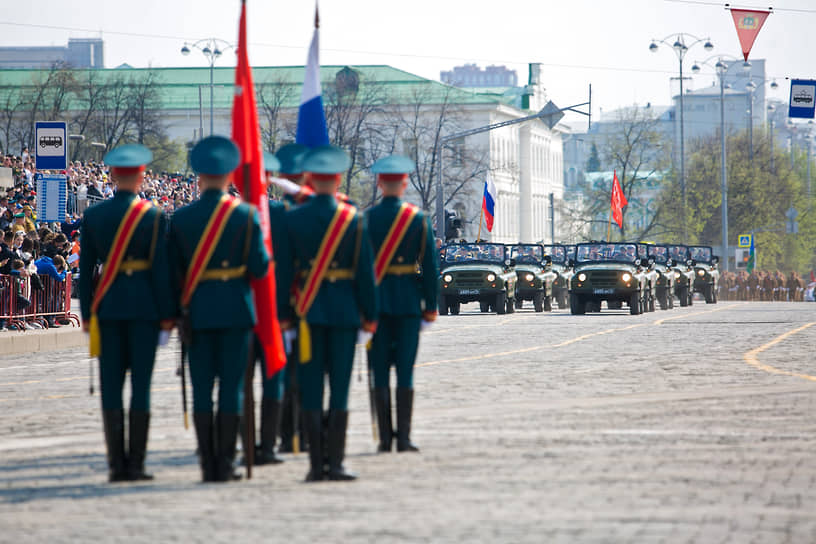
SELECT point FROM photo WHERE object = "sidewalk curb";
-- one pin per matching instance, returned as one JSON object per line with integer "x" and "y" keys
{"x": 66, "y": 337}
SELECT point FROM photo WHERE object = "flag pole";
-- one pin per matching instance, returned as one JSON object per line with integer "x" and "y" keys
{"x": 609, "y": 228}
{"x": 481, "y": 216}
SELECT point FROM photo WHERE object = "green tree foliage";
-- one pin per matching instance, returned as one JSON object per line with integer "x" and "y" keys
{"x": 757, "y": 200}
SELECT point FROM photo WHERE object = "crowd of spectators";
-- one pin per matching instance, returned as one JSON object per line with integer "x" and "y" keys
{"x": 30, "y": 249}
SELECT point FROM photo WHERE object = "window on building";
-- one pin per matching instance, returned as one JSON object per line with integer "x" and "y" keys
{"x": 409, "y": 147}
{"x": 457, "y": 148}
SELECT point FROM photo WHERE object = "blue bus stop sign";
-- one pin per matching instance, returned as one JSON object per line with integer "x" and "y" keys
{"x": 802, "y": 98}
{"x": 51, "y": 145}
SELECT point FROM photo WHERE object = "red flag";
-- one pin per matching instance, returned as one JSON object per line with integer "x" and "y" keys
{"x": 748, "y": 23}
{"x": 618, "y": 200}
{"x": 250, "y": 181}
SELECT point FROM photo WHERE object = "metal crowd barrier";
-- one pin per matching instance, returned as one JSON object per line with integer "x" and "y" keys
{"x": 21, "y": 303}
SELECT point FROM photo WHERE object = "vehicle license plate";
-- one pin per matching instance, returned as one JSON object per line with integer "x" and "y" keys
{"x": 606, "y": 291}
{"x": 468, "y": 291}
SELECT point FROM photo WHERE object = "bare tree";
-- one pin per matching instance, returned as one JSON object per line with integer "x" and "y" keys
{"x": 352, "y": 105}
{"x": 636, "y": 152}
{"x": 273, "y": 98}
{"x": 422, "y": 119}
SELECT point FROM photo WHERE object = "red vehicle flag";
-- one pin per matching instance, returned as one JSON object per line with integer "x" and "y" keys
{"x": 748, "y": 23}
{"x": 251, "y": 183}
{"x": 618, "y": 200}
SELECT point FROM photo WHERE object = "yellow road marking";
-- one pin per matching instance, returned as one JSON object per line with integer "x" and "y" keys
{"x": 752, "y": 356}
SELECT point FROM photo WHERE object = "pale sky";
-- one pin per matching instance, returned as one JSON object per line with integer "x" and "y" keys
{"x": 602, "y": 42}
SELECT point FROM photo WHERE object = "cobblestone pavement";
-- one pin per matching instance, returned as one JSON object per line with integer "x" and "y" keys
{"x": 680, "y": 426}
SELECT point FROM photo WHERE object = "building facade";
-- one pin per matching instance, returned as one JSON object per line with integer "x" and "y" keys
{"x": 79, "y": 53}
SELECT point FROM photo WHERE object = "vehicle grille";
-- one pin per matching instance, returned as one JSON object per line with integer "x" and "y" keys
{"x": 468, "y": 279}
{"x": 603, "y": 278}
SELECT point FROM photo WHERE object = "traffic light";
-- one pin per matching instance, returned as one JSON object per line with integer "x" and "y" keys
{"x": 453, "y": 226}
{"x": 741, "y": 258}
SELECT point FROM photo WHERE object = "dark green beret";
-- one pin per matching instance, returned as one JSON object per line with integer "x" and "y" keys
{"x": 393, "y": 164}
{"x": 128, "y": 156}
{"x": 215, "y": 155}
{"x": 326, "y": 159}
{"x": 291, "y": 158}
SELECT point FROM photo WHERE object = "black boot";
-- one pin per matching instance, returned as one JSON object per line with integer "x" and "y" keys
{"x": 270, "y": 421}
{"x": 338, "y": 420}
{"x": 286, "y": 426}
{"x": 139, "y": 424}
{"x": 114, "y": 424}
{"x": 405, "y": 405}
{"x": 313, "y": 421}
{"x": 203, "y": 422}
{"x": 382, "y": 401}
{"x": 227, "y": 425}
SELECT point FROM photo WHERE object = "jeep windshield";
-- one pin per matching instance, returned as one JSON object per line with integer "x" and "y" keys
{"x": 679, "y": 253}
{"x": 558, "y": 253}
{"x": 623, "y": 253}
{"x": 464, "y": 253}
{"x": 701, "y": 254}
{"x": 660, "y": 254}
{"x": 527, "y": 254}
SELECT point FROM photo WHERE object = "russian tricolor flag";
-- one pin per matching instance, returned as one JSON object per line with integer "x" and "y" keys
{"x": 489, "y": 202}
{"x": 311, "y": 124}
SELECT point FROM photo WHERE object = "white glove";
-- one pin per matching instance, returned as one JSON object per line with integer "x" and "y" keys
{"x": 363, "y": 337}
{"x": 425, "y": 325}
{"x": 289, "y": 338}
{"x": 287, "y": 186}
{"x": 164, "y": 337}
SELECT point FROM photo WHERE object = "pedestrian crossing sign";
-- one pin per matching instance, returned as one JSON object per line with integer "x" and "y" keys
{"x": 744, "y": 240}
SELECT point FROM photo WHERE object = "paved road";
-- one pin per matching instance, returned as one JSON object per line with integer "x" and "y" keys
{"x": 691, "y": 425}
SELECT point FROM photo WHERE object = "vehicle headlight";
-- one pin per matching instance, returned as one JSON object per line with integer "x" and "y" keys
{"x": 677, "y": 275}
{"x": 581, "y": 277}
{"x": 701, "y": 272}
{"x": 491, "y": 277}
{"x": 448, "y": 278}
{"x": 626, "y": 276}
{"x": 529, "y": 277}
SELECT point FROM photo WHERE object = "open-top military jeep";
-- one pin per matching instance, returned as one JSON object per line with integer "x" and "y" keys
{"x": 663, "y": 265}
{"x": 477, "y": 272}
{"x": 560, "y": 256}
{"x": 706, "y": 273}
{"x": 535, "y": 276}
{"x": 683, "y": 273}
{"x": 611, "y": 272}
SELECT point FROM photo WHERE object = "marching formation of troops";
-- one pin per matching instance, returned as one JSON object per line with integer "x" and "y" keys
{"x": 342, "y": 278}
{"x": 762, "y": 286}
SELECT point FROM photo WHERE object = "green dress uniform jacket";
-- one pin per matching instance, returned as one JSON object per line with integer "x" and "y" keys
{"x": 405, "y": 294}
{"x": 334, "y": 317}
{"x": 138, "y": 299}
{"x": 221, "y": 312}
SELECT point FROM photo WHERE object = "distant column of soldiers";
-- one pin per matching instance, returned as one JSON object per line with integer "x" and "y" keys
{"x": 338, "y": 272}
{"x": 762, "y": 285}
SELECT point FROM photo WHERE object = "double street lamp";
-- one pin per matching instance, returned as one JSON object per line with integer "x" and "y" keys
{"x": 682, "y": 43}
{"x": 751, "y": 86}
{"x": 212, "y": 49}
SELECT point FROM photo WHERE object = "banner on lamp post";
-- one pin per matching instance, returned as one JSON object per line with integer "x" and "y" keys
{"x": 748, "y": 23}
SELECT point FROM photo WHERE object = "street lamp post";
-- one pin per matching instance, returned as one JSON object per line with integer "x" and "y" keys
{"x": 212, "y": 48}
{"x": 751, "y": 87}
{"x": 681, "y": 48}
{"x": 771, "y": 127}
{"x": 550, "y": 114}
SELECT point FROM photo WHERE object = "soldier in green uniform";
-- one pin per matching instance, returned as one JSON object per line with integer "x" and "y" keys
{"x": 131, "y": 310}
{"x": 407, "y": 271}
{"x": 326, "y": 253}
{"x": 220, "y": 311}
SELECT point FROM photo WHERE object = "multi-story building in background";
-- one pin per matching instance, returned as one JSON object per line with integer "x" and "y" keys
{"x": 470, "y": 75}
{"x": 79, "y": 53}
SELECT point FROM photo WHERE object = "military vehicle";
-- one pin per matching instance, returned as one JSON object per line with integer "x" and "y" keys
{"x": 478, "y": 272}
{"x": 535, "y": 276}
{"x": 706, "y": 273}
{"x": 560, "y": 256}
{"x": 683, "y": 273}
{"x": 666, "y": 279}
{"x": 610, "y": 272}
